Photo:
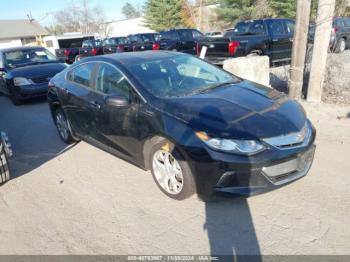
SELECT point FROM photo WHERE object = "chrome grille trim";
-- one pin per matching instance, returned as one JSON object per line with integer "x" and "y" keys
{"x": 294, "y": 140}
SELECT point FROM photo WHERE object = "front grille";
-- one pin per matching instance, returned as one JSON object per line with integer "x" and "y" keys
{"x": 288, "y": 171}
{"x": 41, "y": 79}
{"x": 294, "y": 140}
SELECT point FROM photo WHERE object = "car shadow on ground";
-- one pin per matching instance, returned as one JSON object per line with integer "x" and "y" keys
{"x": 32, "y": 134}
{"x": 228, "y": 221}
{"x": 231, "y": 231}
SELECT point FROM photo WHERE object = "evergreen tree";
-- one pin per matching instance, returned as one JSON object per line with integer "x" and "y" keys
{"x": 129, "y": 11}
{"x": 164, "y": 14}
{"x": 229, "y": 11}
{"x": 284, "y": 8}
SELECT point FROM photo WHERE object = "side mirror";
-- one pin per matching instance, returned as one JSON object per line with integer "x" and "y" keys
{"x": 117, "y": 101}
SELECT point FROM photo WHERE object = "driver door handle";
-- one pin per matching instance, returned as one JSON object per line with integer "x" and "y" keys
{"x": 95, "y": 104}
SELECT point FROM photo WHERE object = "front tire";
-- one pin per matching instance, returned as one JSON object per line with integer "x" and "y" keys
{"x": 341, "y": 46}
{"x": 171, "y": 171}
{"x": 63, "y": 127}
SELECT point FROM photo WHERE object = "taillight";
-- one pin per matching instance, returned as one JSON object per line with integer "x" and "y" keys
{"x": 232, "y": 47}
{"x": 66, "y": 52}
{"x": 94, "y": 51}
{"x": 155, "y": 46}
{"x": 198, "y": 49}
{"x": 335, "y": 29}
{"x": 120, "y": 48}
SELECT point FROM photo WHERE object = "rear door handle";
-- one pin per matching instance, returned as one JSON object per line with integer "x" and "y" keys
{"x": 95, "y": 104}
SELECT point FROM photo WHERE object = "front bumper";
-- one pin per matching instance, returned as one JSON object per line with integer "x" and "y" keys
{"x": 31, "y": 91}
{"x": 219, "y": 172}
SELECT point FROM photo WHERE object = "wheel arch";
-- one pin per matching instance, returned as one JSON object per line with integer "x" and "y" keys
{"x": 151, "y": 141}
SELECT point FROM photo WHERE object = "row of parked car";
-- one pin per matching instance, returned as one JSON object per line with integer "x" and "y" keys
{"x": 271, "y": 37}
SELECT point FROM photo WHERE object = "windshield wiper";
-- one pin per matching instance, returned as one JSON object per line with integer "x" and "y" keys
{"x": 196, "y": 92}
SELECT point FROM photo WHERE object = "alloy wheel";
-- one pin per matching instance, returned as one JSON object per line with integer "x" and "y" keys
{"x": 167, "y": 172}
{"x": 62, "y": 126}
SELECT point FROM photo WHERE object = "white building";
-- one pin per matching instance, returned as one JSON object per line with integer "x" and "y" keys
{"x": 126, "y": 27}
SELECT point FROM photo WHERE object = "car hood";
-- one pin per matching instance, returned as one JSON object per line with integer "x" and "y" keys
{"x": 49, "y": 69}
{"x": 240, "y": 111}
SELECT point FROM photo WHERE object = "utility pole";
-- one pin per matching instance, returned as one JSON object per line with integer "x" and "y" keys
{"x": 200, "y": 15}
{"x": 321, "y": 46}
{"x": 299, "y": 48}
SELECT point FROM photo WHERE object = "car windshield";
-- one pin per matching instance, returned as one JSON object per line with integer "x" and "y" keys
{"x": 92, "y": 43}
{"x": 179, "y": 76}
{"x": 115, "y": 41}
{"x": 148, "y": 37}
{"x": 17, "y": 58}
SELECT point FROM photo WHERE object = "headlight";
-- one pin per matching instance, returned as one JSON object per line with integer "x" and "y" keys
{"x": 21, "y": 81}
{"x": 243, "y": 147}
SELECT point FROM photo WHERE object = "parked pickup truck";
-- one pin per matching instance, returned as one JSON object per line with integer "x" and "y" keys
{"x": 143, "y": 42}
{"x": 67, "y": 55}
{"x": 116, "y": 45}
{"x": 5, "y": 153}
{"x": 90, "y": 48}
{"x": 271, "y": 37}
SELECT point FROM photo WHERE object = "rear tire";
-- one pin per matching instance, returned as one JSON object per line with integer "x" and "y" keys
{"x": 341, "y": 46}
{"x": 175, "y": 179}
{"x": 63, "y": 127}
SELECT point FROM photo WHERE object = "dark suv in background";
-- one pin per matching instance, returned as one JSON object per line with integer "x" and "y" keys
{"x": 182, "y": 40}
{"x": 340, "y": 38}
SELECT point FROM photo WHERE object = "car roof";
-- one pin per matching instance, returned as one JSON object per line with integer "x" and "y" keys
{"x": 129, "y": 58}
{"x": 265, "y": 19}
{"x": 20, "y": 48}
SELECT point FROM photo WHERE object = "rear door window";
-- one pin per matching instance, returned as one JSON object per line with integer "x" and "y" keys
{"x": 276, "y": 28}
{"x": 82, "y": 75}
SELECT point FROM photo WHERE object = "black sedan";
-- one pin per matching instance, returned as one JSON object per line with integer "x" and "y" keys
{"x": 195, "y": 126}
{"x": 26, "y": 71}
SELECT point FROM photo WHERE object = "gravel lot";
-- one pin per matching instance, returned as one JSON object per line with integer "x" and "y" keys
{"x": 81, "y": 200}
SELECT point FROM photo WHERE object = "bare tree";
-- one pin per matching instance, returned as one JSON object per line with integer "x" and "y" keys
{"x": 80, "y": 17}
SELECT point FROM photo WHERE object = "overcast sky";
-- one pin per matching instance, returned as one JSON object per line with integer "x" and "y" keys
{"x": 41, "y": 9}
